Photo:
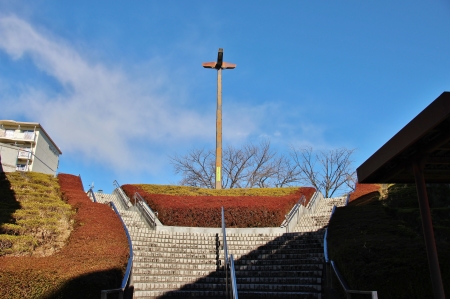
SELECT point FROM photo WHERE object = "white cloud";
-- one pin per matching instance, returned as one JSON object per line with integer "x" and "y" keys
{"x": 104, "y": 113}
{"x": 128, "y": 120}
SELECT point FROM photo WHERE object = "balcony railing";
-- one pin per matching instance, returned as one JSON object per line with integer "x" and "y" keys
{"x": 22, "y": 167}
{"x": 24, "y": 154}
{"x": 17, "y": 136}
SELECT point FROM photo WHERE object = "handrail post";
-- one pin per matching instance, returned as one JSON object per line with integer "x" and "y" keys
{"x": 128, "y": 272}
{"x": 233, "y": 279}
{"x": 229, "y": 263}
{"x": 294, "y": 211}
{"x": 225, "y": 252}
{"x": 92, "y": 193}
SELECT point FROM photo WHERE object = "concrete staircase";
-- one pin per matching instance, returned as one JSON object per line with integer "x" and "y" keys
{"x": 190, "y": 265}
{"x": 278, "y": 266}
{"x": 171, "y": 265}
{"x": 318, "y": 220}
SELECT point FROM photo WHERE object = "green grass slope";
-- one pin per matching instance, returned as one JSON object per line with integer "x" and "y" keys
{"x": 196, "y": 191}
{"x": 40, "y": 222}
{"x": 93, "y": 257}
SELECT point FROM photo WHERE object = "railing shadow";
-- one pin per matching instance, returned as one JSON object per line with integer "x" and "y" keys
{"x": 285, "y": 249}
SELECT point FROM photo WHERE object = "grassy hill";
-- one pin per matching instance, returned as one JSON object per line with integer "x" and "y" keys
{"x": 378, "y": 243}
{"x": 196, "y": 191}
{"x": 34, "y": 219}
{"x": 55, "y": 242}
{"x": 199, "y": 207}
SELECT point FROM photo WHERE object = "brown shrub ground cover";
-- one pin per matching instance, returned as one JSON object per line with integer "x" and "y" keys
{"x": 364, "y": 189}
{"x": 205, "y": 211}
{"x": 94, "y": 258}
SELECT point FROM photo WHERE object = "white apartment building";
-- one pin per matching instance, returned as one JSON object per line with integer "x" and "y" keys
{"x": 25, "y": 146}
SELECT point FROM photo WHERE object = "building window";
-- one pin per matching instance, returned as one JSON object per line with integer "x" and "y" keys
{"x": 53, "y": 149}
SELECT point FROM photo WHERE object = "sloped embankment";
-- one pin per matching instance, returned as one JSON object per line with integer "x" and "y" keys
{"x": 243, "y": 207}
{"x": 40, "y": 224}
{"x": 93, "y": 258}
{"x": 378, "y": 243}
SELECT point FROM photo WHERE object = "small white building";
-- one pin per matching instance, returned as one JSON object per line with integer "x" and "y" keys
{"x": 25, "y": 146}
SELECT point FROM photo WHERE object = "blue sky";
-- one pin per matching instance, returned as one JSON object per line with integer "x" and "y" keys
{"x": 119, "y": 85}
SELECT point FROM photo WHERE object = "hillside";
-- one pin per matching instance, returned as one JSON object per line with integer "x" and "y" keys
{"x": 257, "y": 207}
{"x": 34, "y": 219}
{"x": 377, "y": 242}
{"x": 92, "y": 258}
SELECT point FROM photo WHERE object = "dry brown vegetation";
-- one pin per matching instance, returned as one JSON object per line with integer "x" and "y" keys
{"x": 94, "y": 257}
{"x": 201, "y": 207}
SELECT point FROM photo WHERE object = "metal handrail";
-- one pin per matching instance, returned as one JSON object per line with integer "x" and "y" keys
{"x": 312, "y": 205}
{"x": 224, "y": 237}
{"x": 332, "y": 212}
{"x": 233, "y": 279}
{"x": 291, "y": 213}
{"x": 374, "y": 294}
{"x": 229, "y": 263}
{"x": 325, "y": 246}
{"x": 92, "y": 194}
{"x": 225, "y": 251}
{"x": 299, "y": 209}
{"x": 145, "y": 210}
{"x": 125, "y": 200}
{"x": 127, "y": 277}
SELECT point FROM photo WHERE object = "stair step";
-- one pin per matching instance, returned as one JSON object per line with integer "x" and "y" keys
{"x": 309, "y": 266}
{"x": 175, "y": 272}
{"x": 182, "y": 294}
{"x": 283, "y": 295}
{"x": 278, "y": 263}
{"x": 190, "y": 265}
{"x": 172, "y": 286}
{"x": 150, "y": 265}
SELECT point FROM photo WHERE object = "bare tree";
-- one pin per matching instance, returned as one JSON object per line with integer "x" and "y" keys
{"x": 352, "y": 179}
{"x": 247, "y": 167}
{"x": 286, "y": 172}
{"x": 197, "y": 168}
{"x": 327, "y": 171}
{"x": 235, "y": 165}
{"x": 261, "y": 168}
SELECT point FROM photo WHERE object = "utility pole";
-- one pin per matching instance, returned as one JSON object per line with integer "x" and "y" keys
{"x": 219, "y": 65}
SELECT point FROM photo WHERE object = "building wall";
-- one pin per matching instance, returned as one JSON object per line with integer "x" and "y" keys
{"x": 47, "y": 155}
{"x": 8, "y": 158}
{"x": 27, "y": 148}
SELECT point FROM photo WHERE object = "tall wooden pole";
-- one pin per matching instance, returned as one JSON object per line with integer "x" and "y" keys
{"x": 219, "y": 65}
{"x": 219, "y": 131}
